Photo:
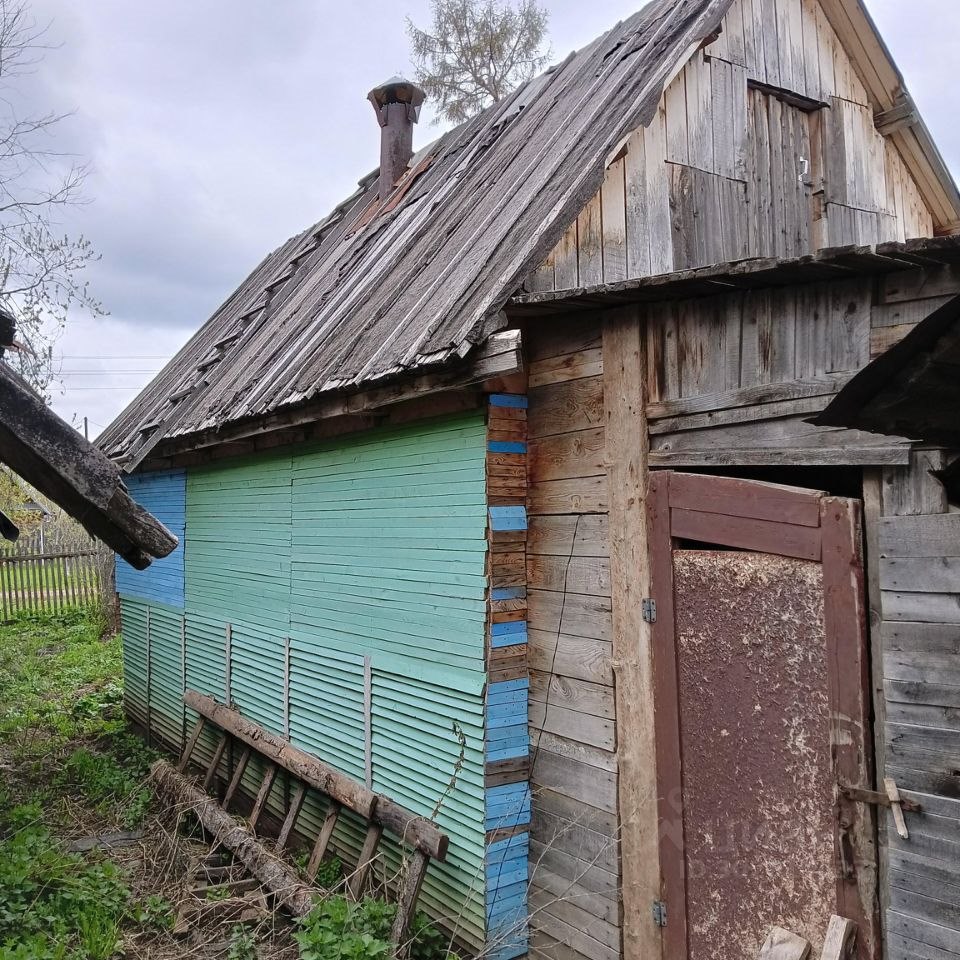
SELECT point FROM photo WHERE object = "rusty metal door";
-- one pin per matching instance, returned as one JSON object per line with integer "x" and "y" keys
{"x": 762, "y": 715}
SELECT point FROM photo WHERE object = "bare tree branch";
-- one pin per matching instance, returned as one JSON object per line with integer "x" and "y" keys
{"x": 477, "y": 51}
{"x": 40, "y": 269}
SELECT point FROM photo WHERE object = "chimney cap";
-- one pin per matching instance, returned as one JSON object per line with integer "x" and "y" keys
{"x": 397, "y": 90}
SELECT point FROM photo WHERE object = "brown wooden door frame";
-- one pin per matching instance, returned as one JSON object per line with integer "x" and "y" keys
{"x": 789, "y": 522}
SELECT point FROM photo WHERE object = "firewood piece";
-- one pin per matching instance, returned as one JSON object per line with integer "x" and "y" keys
{"x": 358, "y": 881}
{"x": 893, "y": 792}
{"x": 210, "y": 891}
{"x": 237, "y": 777}
{"x": 288, "y": 824}
{"x": 838, "y": 943}
{"x": 323, "y": 838}
{"x": 261, "y": 801}
{"x": 415, "y": 869}
{"x": 191, "y": 743}
{"x": 215, "y": 761}
{"x": 783, "y": 945}
{"x": 280, "y": 879}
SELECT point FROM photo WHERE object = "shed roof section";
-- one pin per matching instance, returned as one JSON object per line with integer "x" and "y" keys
{"x": 373, "y": 292}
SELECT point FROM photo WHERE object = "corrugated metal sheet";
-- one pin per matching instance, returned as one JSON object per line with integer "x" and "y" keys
{"x": 351, "y": 301}
{"x": 163, "y": 493}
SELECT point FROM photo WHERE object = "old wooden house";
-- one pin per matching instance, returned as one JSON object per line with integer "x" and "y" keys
{"x": 499, "y": 491}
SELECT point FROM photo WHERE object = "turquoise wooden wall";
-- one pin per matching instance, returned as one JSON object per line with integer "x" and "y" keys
{"x": 322, "y": 562}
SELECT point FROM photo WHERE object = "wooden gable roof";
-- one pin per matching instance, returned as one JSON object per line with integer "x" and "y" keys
{"x": 378, "y": 291}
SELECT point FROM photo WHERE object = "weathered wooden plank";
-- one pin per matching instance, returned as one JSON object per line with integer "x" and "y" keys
{"x": 568, "y": 656}
{"x": 746, "y": 396}
{"x": 565, "y": 260}
{"x": 583, "y": 728}
{"x": 637, "y": 207}
{"x": 920, "y": 575}
{"x": 568, "y": 536}
{"x": 746, "y": 498}
{"x": 580, "y": 919}
{"x": 594, "y": 699}
{"x": 931, "y": 536}
{"x": 589, "y": 575}
{"x": 915, "y": 491}
{"x": 579, "y": 616}
{"x": 922, "y": 931}
{"x": 564, "y": 407}
{"x": 575, "y": 749}
{"x": 571, "y": 366}
{"x": 752, "y": 414}
{"x": 613, "y": 213}
{"x": 771, "y": 456}
{"x": 590, "y": 243}
{"x": 566, "y": 456}
{"x": 578, "y": 495}
{"x": 675, "y": 113}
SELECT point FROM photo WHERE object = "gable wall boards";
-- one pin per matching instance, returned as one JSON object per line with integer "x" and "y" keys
{"x": 317, "y": 579}
{"x": 764, "y": 145}
{"x": 574, "y": 884}
{"x": 915, "y": 609}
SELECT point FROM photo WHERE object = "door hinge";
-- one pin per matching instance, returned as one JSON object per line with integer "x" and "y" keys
{"x": 659, "y": 913}
{"x": 649, "y": 609}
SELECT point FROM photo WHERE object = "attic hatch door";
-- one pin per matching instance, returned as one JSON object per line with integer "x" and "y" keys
{"x": 761, "y": 690}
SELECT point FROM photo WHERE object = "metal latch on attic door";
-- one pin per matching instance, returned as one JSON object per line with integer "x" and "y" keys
{"x": 649, "y": 610}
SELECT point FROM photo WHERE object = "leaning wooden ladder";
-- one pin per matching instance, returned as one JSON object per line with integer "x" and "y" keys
{"x": 425, "y": 840}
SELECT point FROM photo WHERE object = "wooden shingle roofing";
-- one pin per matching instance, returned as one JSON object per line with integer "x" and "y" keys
{"x": 378, "y": 291}
{"x": 369, "y": 294}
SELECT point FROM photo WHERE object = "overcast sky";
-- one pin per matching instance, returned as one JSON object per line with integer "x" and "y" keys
{"x": 215, "y": 129}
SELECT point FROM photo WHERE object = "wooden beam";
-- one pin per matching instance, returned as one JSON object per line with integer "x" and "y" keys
{"x": 626, "y": 452}
{"x": 48, "y": 453}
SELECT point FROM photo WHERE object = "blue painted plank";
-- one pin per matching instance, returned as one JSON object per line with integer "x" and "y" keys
{"x": 507, "y": 846}
{"x": 505, "y": 733}
{"x": 514, "y": 400}
{"x": 507, "y": 446}
{"x": 508, "y": 640}
{"x": 505, "y": 686}
{"x": 495, "y": 872}
{"x": 508, "y": 593}
{"x": 502, "y": 629}
{"x": 508, "y": 518}
{"x": 511, "y": 892}
{"x": 498, "y": 753}
{"x": 510, "y": 951}
{"x": 164, "y": 494}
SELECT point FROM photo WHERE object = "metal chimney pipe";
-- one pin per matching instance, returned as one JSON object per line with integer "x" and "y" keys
{"x": 397, "y": 104}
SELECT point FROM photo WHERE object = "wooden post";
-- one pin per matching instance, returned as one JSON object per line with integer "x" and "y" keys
{"x": 627, "y": 447}
{"x": 415, "y": 869}
{"x": 292, "y": 813}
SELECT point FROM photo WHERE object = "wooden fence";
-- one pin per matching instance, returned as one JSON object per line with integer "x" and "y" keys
{"x": 45, "y": 573}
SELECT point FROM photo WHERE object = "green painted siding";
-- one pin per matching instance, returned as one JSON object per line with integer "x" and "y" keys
{"x": 367, "y": 546}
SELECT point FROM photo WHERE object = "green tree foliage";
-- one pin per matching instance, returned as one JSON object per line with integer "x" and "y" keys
{"x": 477, "y": 51}
{"x": 41, "y": 269}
